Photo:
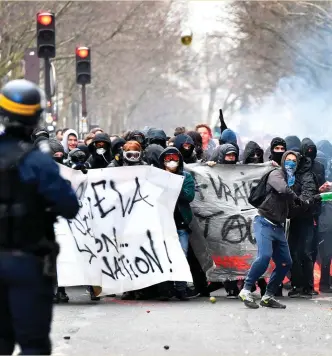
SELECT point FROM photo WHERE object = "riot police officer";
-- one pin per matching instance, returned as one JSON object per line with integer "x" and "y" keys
{"x": 31, "y": 190}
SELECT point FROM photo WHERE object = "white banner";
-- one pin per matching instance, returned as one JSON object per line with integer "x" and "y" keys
{"x": 124, "y": 236}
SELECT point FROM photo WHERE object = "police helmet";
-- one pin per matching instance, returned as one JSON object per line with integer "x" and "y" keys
{"x": 21, "y": 103}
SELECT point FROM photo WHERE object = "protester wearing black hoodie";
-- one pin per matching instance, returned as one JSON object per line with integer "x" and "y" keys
{"x": 100, "y": 149}
{"x": 252, "y": 153}
{"x": 197, "y": 138}
{"x": 151, "y": 155}
{"x": 156, "y": 136}
{"x": 301, "y": 228}
{"x": 326, "y": 147}
{"x": 171, "y": 160}
{"x": 277, "y": 149}
{"x": 186, "y": 146}
{"x": 309, "y": 149}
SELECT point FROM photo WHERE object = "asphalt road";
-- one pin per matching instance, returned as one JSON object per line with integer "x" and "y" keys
{"x": 196, "y": 327}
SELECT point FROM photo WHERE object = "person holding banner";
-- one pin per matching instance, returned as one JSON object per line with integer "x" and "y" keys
{"x": 270, "y": 234}
{"x": 171, "y": 161}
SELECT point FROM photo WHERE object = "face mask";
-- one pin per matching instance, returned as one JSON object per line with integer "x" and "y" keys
{"x": 58, "y": 159}
{"x": 186, "y": 152}
{"x": 277, "y": 156}
{"x": 290, "y": 167}
{"x": 229, "y": 162}
{"x": 172, "y": 164}
{"x": 100, "y": 151}
{"x": 254, "y": 160}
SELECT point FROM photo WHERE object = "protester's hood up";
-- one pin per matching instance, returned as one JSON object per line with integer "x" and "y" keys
{"x": 228, "y": 136}
{"x": 298, "y": 157}
{"x": 101, "y": 137}
{"x": 293, "y": 143}
{"x": 306, "y": 145}
{"x": 321, "y": 158}
{"x": 250, "y": 149}
{"x": 170, "y": 150}
{"x": 182, "y": 139}
{"x": 64, "y": 141}
{"x": 135, "y": 133}
{"x": 197, "y": 138}
{"x": 219, "y": 153}
{"x": 326, "y": 147}
{"x": 156, "y": 134}
{"x": 55, "y": 146}
{"x": 85, "y": 149}
{"x": 151, "y": 155}
{"x": 117, "y": 144}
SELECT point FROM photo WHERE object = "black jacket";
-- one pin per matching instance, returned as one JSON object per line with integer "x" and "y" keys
{"x": 305, "y": 187}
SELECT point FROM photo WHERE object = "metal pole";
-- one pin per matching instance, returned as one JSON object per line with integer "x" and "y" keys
{"x": 47, "y": 83}
{"x": 84, "y": 110}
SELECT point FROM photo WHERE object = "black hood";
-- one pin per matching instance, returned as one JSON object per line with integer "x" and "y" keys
{"x": 117, "y": 144}
{"x": 157, "y": 136}
{"x": 101, "y": 137}
{"x": 321, "y": 158}
{"x": 293, "y": 143}
{"x": 308, "y": 148}
{"x": 132, "y": 137}
{"x": 181, "y": 139}
{"x": 170, "y": 150}
{"x": 151, "y": 155}
{"x": 55, "y": 146}
{"x": 326, "y": 147}
{"x": 219, "y": 153}
{"x": 197, "y": 138}
{"x": 251, "y": 148}
{"x": 85, "y": 149}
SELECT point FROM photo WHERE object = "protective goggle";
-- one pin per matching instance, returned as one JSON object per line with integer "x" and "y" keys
{"x": 171, "y": 157}
{"x": 132, "y": 155}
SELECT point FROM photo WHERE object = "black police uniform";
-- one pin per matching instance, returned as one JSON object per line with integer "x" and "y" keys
{"x": 32, "y": 194}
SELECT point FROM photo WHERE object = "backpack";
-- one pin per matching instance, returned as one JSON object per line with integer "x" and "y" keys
{"x": 258, "y": 193}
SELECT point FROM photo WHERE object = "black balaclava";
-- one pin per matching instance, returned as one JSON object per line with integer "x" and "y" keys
{"x": 56, "y": 147}
{"x": 197, "y": 138}
{"x": 253, "y": 153}
{"x": 277, "y": 156}
{"x": 308, "y": 148}
{"x": 182, "y": 139}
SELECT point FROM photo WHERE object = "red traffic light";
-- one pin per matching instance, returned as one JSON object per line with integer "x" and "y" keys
{"x": 82, "y": 52}
{"x": 45, "y": 18}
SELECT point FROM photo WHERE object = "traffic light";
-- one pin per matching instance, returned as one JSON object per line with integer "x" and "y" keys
{"x": 45, "y": 35}
{"x": 83, "y": 65}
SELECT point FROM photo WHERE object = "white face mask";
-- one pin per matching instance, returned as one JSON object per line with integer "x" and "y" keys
{"x": 172, "y": 164}
{"x": 100, "y": 151}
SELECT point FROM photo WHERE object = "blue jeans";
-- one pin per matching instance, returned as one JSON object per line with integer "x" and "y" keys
{"x": 26, "y": 304}
{"x": 184, "y": 242}
{"x": 271, "y": 243}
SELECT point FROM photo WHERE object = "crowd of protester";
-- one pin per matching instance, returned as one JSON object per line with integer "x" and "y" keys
{"x": 152, "y": 146}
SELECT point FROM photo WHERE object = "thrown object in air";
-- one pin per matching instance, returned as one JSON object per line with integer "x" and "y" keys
{"x": 186, "y": 37}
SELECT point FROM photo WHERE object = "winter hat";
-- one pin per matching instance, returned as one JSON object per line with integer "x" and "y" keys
{"x": 228, "y": 136}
